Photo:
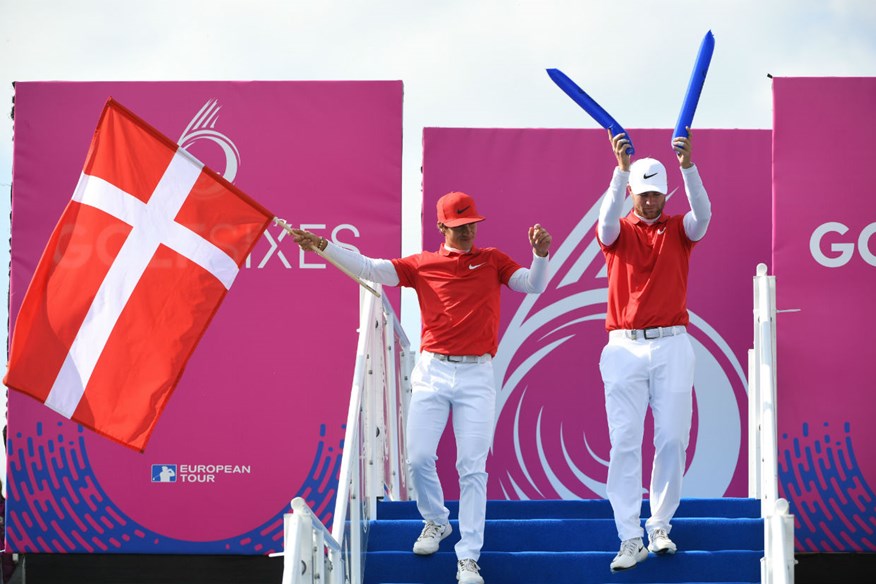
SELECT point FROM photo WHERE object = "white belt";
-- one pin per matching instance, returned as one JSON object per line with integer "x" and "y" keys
{"x": 461, "y": 358}
{"x": 648, "y": 334}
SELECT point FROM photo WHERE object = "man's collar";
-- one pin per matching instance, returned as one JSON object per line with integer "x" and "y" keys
{"x": 446, "y": 251}
{"x": 634, "y": 218}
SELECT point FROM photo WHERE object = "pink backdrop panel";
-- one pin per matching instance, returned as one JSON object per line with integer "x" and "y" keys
{"x": 824, "y": 259}
{"x": 243, "y": 432}
{"x": 551, "y": 438}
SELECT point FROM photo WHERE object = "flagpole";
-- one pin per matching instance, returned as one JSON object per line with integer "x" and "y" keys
{"x": 288, "y": 230}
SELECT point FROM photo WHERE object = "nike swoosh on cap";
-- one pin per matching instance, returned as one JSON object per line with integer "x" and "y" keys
{"x": 647, "y": 176}
{"x": 463, "y": 210}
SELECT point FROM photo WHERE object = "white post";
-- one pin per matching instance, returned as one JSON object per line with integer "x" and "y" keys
{"x": 298, "y": 541}
{"x": 390, "y": 396}
{"x": 305, "y": 542}
{"x": 336, "y": 571}
{"x": 356, "y": 568}
{"x": 407, "y": 357}
{"x": 317, "y": 555}
{"x": 373, "y": 420}
{"x": 777, "y": 565}
{"x": 754, "y": 400}
{"x": 765, "y": 356}
{"x": 787, "y": 541}
{"x": 290, "y": 563}
{"x": 368, "y": 421}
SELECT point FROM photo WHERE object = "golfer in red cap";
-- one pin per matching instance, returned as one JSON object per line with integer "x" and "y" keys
{"x": 458, "y": 289}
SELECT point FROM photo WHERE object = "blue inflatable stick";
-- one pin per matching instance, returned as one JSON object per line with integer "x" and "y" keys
{"x": 589, "y": 105}
{"x": 695, "y": 87}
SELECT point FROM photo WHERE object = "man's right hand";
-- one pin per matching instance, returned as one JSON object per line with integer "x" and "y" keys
{"x": 683, "y": 147}
{"x": 620, "y": 144}
{"x": 308, "y": 241}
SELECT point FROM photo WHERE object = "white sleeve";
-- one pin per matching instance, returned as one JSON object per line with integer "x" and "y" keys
{"x": 608, "y": 225}
{"x": 532, "y": 280}
{"x": 696, "y": 221}
{"x": 375, "y": 270}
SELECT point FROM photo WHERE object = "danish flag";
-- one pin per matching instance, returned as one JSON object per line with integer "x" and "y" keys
{"x": 134, "y": 271}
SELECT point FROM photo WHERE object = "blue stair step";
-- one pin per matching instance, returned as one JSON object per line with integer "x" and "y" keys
{"x": 572, "y": 542}
{"x": 581, "y": 509}
{"x": 571, "y": 535}
{"x": 565, "y": 568}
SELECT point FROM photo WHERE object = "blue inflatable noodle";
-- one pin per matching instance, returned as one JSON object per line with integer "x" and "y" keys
{"x": 589, "y": 105}
{"x": 695, "y": 87}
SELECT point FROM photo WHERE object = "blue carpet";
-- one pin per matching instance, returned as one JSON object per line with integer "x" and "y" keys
{"x": 572, "y": 542}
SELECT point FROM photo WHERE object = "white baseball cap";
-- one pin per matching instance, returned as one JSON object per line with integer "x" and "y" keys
{"x": 647, "y": 174}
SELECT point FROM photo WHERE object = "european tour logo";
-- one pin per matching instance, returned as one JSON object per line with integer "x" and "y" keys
{"x": 163, "y": 473}
{"x": 196, "y": 473}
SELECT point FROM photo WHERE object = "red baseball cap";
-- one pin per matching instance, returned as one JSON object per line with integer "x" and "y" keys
{"x": 455, "y": 209}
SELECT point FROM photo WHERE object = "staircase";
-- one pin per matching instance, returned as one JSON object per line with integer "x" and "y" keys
{"x": 572, "y": 542}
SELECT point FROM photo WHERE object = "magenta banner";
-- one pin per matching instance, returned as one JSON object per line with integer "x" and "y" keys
{"x": 551, "y": 439}
{"x": 243, "y": 432}
{"x": 825, "y": 265}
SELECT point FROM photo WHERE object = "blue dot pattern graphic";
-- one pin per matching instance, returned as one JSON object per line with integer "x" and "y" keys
{"x": 55, "y": 503}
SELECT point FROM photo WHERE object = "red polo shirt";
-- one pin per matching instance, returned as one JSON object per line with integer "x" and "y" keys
{"x": 647, "y": 273}
{"x": 459, "y": 297}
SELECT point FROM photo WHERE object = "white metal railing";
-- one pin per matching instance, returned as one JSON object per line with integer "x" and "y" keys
{"x": 777, "y": 566}
{"x": 372, "y": 465}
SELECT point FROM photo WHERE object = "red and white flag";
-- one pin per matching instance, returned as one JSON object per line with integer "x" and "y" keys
{"x": 133, "y": 273}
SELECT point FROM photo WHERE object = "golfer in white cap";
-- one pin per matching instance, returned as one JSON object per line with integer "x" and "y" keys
{"x": 649, "y": 360}
{"x": 458, "y": 288}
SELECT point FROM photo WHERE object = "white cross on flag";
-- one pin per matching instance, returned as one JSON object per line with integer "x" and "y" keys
{"x": 132, "y": 275}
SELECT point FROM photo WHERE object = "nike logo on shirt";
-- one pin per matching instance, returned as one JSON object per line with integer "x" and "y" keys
{"x": 475, "y": 266}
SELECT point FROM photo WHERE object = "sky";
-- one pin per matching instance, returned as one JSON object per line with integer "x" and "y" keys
{"x": 464, "y": 63}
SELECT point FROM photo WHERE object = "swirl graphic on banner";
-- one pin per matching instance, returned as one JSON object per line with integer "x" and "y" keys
{"x": 202, "y": 127}
{"x": 551, "y": 437}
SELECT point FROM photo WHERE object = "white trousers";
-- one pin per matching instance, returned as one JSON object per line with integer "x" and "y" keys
{"x": 636, "y": 374}
{"x": 468, "y": 391}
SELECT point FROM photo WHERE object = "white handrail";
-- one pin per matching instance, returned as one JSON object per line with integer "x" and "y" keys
{"x": 305, "y": 539}
{"x": 777, "y": 566}
{"x": 372, "y": 463}
{"x": 400, "y": 363}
